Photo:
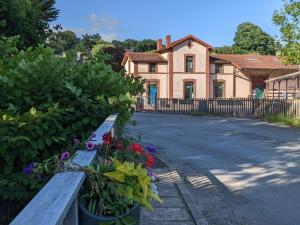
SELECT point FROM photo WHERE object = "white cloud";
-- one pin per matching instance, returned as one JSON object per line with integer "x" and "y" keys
{"x": 105, "y": 25}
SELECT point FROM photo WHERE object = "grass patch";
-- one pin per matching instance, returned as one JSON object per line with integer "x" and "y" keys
{"x": 284, "y": 120}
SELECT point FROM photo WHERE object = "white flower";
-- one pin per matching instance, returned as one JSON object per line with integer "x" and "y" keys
{"x": 154, "y": 188}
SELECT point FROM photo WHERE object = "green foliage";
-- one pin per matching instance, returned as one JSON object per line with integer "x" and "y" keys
{"x": 249, "y": 38}
{"x": 27, "y": 18}
{"x": 62, "y": 41}
{"x": 109, "y": 54}
{"x": 87, "y": 42}
{"x": 288, "y": 21}
{"x": 112, "y": 188}
{"x": 45, "y": 102}
{"x": 8, "y": 46}
{"x": 135, "y": 45}
{"x": 252, "y": 38}
{"x": 229, "y": 50}
{"x": 284, "y": 120}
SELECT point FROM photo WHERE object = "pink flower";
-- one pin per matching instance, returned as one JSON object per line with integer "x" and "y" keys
{"x": 90, "y": 145}
{"x": 65, "y": 155}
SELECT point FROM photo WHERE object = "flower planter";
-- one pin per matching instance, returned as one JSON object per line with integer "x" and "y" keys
{"x": 87, "y": 218}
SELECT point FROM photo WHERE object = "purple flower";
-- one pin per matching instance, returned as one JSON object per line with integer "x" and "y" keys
{"x": 76, "y": 141}
{"x": 90, "y": 145}
{"x": 94, "y": 134}
{"x": 151, "y": 173}
{"x": 65, "y": 155}
{"x": 150, "y": 149}
{"x": 40, "y": 176}
{"x": 28, "y": 169}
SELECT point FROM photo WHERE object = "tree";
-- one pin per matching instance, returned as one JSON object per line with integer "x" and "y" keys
{"x": 288, "y": 21}
{"x": 229, "y": 50}
{"x": 109, "y": 54}
{"x": 251, "y": 38}
{"x": 130, "y": 44}
{"x": 27, "y": 18}
{"x": 88, "y": 41}
{"x": 62, "y": 41}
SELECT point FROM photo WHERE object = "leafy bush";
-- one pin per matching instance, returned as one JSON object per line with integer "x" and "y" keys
{"x": 284, "y": 120}
{"x": 46, "y": 102}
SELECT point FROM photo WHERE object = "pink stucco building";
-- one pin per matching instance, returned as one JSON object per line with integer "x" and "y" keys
{"x": 187, "y": 68}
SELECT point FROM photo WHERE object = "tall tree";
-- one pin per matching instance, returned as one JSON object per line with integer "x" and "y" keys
{"x": 62, "y": 41}
{"x": 109, "y": 54}
{"x": 251, "y": 38}
{"x": 27, "y": 18}
{"x": 288, "y": 21}
{"x": 146, "y": 45}
{"x": 88, "y": 41}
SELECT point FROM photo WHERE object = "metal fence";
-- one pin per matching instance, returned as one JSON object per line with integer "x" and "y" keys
{"x": 57, "y": 203}
{"x": 242, "y": 107}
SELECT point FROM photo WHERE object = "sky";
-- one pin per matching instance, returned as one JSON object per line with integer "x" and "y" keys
{"x": 213, "y": 21}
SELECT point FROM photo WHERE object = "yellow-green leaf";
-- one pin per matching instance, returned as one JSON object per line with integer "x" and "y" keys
{"x": 144, "y": 182}
{"x": 116, "y": 175}
{"x": 32, "y": 111}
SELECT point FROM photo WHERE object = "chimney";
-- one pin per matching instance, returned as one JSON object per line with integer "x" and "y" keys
{"x": 168, "y": 40}
{"x": 159, "y": 44}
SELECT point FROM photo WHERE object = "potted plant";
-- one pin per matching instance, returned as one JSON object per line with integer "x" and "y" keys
{"x": 117, "y": 184}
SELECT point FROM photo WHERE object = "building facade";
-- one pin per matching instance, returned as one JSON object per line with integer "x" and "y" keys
{"x": 187, "y": 69}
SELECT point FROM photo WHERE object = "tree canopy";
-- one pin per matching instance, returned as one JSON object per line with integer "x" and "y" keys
{"x": 145, "y": 45}
{"x": 287, "y": 19}
{"x": 250, "y": 38}
{"x": 28, "y": 19}
{"x": 62, "y": 41}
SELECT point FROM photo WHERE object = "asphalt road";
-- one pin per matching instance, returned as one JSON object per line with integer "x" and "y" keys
{"x": 240, "y": 171}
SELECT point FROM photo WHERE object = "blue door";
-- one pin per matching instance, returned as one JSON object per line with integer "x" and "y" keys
{"x": 152, "y": 93}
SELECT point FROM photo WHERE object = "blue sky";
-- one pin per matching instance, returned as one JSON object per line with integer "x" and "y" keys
{"x": 213, "y": 21}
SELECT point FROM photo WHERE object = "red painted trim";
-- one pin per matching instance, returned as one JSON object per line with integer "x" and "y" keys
{"x": 136, "y": 69}
{"x": 170, "y": 65}
{"x": 207, "y": 73}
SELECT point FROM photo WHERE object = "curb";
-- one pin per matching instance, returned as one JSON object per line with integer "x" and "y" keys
{"x": 196, "y": 214}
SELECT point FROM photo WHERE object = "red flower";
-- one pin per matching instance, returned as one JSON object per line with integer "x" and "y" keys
{"x": 107, "y": 138}
{"x": 137, "y": 148}
{"x": 149, "y": 161}
{"x": 119, "y": 144}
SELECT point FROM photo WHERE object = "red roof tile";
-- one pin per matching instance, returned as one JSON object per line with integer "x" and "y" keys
{"x": 143, "y": 57}
{"x": 254, "y": 61}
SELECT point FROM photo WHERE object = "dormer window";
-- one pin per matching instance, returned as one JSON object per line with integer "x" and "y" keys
{"x": 218, "y": 68}
{"x": 152, "y": 67}
{"x": 189, "y": 63}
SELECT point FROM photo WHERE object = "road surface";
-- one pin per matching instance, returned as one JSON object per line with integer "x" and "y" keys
{"x": 240, "y": 171}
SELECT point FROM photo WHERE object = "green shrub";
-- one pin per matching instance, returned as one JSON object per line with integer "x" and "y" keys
{"x": 47, "y": 101}
{"x": 285, "y": 120}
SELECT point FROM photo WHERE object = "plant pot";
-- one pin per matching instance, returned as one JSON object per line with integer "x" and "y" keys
{"x": 87, "y": 218}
